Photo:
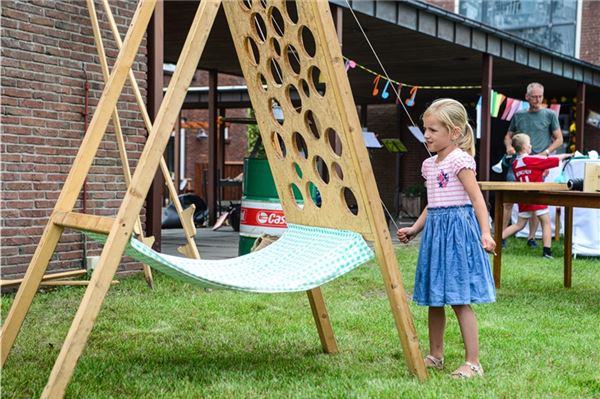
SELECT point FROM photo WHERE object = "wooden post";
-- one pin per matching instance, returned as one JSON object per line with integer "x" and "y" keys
{"x": 212, "y": 146}
{"x": 154, "y": 199}
{"x": 486, "y": 120}
{"x": 580, "y": 118}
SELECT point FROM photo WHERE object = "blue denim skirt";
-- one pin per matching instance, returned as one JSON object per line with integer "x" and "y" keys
{"x": 453, "y": 268}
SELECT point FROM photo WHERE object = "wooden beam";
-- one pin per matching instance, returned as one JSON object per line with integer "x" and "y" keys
{"x": 212, "y": 146}
{"x": 190, "y": 232}
{"x": 487, "y": 69}
{"x": 580, "y": 116}
{"x": 52, "y": 276}
{"x": 154, "y": 198}
{"x": 82, "y": 221}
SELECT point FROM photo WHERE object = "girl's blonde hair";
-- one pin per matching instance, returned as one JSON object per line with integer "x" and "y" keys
{"x": 453, "y": 115}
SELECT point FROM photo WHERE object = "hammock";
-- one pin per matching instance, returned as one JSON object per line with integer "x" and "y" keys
{"x": 303, "y": 258}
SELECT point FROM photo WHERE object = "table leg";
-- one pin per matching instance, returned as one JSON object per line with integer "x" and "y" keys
{"x": 568, "y": 253}
{"x": 498, "y": 217}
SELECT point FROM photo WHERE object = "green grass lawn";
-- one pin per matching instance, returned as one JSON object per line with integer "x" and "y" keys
{"x": 539, "y": 340}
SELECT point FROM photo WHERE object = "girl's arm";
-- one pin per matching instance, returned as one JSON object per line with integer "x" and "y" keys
{"x": 406, "y": 234}
{"x": 467, "y": 178}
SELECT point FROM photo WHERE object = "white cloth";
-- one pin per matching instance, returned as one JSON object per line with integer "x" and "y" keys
{"x": 586, "y": 221}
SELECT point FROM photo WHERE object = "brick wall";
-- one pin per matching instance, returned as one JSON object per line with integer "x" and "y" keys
{"x": 47, "y": 51}
{"x": 448, "y": 5}
{"x": 197, "y": 148}
{"x": 590, "y": 32}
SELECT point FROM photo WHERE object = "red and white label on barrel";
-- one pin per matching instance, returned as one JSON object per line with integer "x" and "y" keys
{"x": 261, "y": 217}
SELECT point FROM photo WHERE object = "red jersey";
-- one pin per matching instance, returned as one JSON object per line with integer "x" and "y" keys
{"x": 530, "y": 169}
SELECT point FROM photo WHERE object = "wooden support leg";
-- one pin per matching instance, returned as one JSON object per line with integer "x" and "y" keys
{"x": 319, "y": 311}
{"x": 28, "y": 288}
{"x": 394, "y": 288}
{"x": 568, "y": 254}
{"x": 86, "y": 314}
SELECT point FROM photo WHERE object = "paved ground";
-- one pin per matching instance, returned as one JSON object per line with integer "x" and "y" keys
{"x": 223, "y": 243}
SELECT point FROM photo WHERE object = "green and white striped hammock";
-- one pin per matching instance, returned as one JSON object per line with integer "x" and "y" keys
{"x": 303, "y": 258}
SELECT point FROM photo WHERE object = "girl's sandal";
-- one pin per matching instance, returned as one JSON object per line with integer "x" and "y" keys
{"x": 433, "y": 362}
{"x": 471, "y": 370}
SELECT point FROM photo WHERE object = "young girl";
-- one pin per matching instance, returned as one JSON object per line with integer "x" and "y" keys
{"x": 453, "y": 267}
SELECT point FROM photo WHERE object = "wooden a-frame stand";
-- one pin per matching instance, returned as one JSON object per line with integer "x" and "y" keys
{"x": 358, "y": 177}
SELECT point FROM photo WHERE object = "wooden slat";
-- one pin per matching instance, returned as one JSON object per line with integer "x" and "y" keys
{"x": 190, "y": 231}
{"x": 60, "y": 283}
{"x": 518, "y": 186}
{"x": 70, "y": 273}
{"x": 82, "y": 221}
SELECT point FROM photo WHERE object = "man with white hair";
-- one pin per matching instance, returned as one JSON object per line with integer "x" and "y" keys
{"x": 543, "y": 129}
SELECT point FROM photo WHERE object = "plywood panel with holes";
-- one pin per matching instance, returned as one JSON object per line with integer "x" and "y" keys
{"x": 305, "y": 111}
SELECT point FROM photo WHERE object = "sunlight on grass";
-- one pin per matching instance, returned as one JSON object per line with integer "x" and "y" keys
{"x": 180, "y": 341}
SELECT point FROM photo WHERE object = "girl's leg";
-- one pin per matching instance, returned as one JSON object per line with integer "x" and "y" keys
{"x": 468, "y": 329}
{"x": 437, "y": 325}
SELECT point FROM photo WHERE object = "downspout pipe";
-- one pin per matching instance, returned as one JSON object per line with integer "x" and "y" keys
{"x": 86, "y": 108}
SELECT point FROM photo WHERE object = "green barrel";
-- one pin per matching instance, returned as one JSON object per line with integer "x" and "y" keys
{"x": 261, "y": 211}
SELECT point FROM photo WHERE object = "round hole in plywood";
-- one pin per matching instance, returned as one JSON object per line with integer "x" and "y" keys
{"x": 337, "y": 170}
{"x": 296, "y": 196}
{"x": 350, "y": 201}
{"x": 312, "y": 124}
{"x": 314, "y": 194}
{"x": 320, "y": 169}
{"x": 292, "y": 11}
{"x": 278, "y": 145}
{"x": 300, "y": 145}
{"x": 297, "y": 169}
{"x": 294, "y": 99}
{"x": 276, "y": 71}
{"x": 246, "y": 5}
{"x": 277, "y": 22}
{"x": 314, "y": 77}
{"x": 293, "y": 58}
{"x": 252, "y": 50}
{"x": 275, "y": 46}
{"x": 259, "y": 27}
{"x": 334, "y": 142}
{"x": 305, "y": 88}
{"x": 308, "y": 41}
{"x": 262, "y": 82}
{"x": 276, "y": 111}
{"x": 263, "y": 3}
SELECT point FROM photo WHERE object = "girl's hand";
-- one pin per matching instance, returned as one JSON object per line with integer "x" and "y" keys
{"x": 488, "y": 243}
{"x": 405, "y": 234}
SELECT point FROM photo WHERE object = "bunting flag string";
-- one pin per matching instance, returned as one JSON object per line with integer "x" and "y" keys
{"x": 511, "y": 106}
{"x": 351, "y": 64}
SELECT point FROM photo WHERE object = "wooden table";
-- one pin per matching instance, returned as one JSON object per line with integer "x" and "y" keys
{"x": 538, "y": 193}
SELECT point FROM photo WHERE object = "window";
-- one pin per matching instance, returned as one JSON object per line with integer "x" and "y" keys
{"x": 551, "y": 24}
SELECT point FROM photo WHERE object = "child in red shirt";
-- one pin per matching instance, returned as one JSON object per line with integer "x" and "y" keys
{"x": 529, "y": 169}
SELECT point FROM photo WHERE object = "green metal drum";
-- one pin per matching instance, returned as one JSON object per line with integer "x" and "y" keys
{"x": 261, "y": 211}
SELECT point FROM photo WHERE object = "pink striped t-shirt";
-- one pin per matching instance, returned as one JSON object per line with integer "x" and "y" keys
{"x": 443, "y": 185}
